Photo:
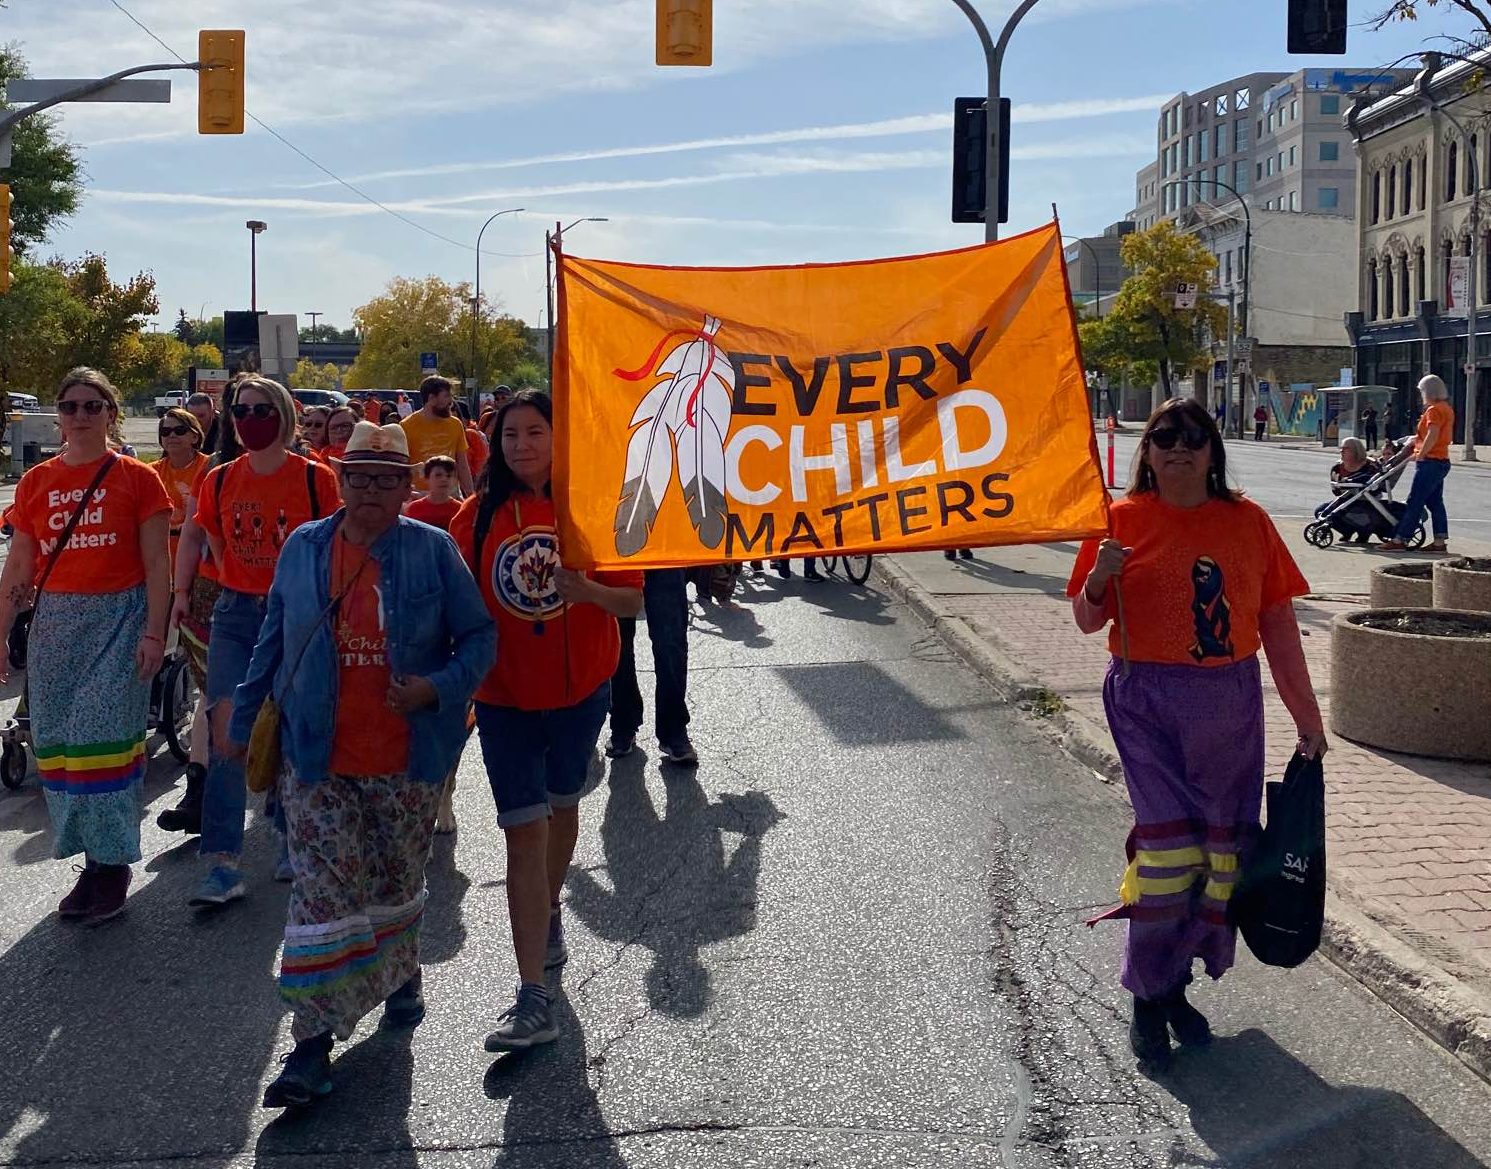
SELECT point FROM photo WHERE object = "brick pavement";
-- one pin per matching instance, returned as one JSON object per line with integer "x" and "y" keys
{"x": 1409, "y": 838}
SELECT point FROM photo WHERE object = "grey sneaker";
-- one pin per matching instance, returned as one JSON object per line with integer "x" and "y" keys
{"x": 527, "y": 1023}
{"x": 680, "y": 751}
{"x": 557, "y": 953}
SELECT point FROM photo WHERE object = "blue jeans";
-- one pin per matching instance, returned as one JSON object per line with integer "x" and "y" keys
{"x": 538, "y": 760}
{"x": 235, "y": 629}
{"x": 667, "y": 606}
{"x": 1427, "y": 491}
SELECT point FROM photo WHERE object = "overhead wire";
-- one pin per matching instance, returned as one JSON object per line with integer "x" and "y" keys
{"x": 327, "y": 171}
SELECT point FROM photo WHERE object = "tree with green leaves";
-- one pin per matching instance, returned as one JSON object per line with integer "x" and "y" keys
{"x": 310, "y": 376}
{"x": 1146, "y": 327}
{"x": 45, "y": 175}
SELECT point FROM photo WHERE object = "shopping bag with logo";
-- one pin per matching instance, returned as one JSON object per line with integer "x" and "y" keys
{"x": 1279, "y": 904}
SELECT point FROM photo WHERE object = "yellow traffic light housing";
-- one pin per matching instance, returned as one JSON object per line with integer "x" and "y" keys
{"x": 685, "y": 32}
{"x": 220, "y": 81}
{"x": 5, "y": 226}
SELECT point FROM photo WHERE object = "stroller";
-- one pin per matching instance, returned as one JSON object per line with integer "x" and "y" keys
{"x": 1365, "y": 509}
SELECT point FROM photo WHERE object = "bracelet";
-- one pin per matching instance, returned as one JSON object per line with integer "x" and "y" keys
{"x": 151, "y": 637}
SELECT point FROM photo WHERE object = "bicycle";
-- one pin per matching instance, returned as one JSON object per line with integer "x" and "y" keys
{"x": 856, "y": 568}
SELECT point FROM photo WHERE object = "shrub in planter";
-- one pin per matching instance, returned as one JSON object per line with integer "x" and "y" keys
{"x": 1409, "y": 585}
{"x": 1413, "y": 680}
{"x": 1463, "y": 583}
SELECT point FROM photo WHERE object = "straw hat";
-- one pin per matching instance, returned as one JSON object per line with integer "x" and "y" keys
{"x": 374, "y": 445}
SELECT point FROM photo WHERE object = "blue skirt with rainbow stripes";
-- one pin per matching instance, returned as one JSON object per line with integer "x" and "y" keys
{"x": 88, "y": 712}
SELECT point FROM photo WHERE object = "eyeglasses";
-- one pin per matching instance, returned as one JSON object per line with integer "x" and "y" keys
{"x": 1165, "y": 437}
{"x": 362, "y": 480}
{"x": 178, "y": 431}
{"x": 242, "y": 410}
{"x": 93, "y": 407}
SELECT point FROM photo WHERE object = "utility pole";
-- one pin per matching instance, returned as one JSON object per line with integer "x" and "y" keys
{"x": 1231, "y": 333}
{"x": 313, "y": 317}
{"x": 255, "y": 226}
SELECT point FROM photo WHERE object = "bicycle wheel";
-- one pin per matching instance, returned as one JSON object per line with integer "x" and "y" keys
{"x": 857, "y": 568}
{"x": 828, "y": 563}
{"x": 1419, "y": 538}
{"x": 13, "y": 765}
{"x": 178, "y": 703}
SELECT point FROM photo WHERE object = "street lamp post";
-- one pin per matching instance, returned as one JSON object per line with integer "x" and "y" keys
{"x": 313, "y": 317}
{"x": 994, "y": 63}
{"x": 475, "y": 388}
{"x": 553, "y": 239}
{"x": 255, "y": 226}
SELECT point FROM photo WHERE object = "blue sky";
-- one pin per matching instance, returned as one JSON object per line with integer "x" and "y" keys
{"x": 826, "y": 128}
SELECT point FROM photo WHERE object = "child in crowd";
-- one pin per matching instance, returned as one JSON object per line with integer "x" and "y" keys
{"x": 437, "y": 506}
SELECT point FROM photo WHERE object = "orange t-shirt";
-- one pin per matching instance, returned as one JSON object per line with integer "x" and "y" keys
{"x": 178, "y": 482}
{"x": 428, "y": 437}
{"x": 366, "y": 740}
{"x": 208, "y": 566}
{"x": 1196, "y": 581}
{"x": 253, "y": 515}
{"x": 1439, "y": 414}
{"x": 477, "y": 451}
{"x": 536, "y": 629}
{"x": 437, "y": 515}
{"x": 103, "y": 553}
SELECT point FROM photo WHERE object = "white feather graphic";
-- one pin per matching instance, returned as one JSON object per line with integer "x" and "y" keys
{"x": 690, "y": 409}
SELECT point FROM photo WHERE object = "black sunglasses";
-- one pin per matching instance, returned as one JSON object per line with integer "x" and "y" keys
{"x": 362, "y": 480}
{"x": 93, "y": 407}
{"x": 258, "y": 410}
{"x": 1165, "y": 437}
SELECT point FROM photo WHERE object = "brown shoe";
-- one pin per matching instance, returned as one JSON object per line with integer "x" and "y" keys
{"x": 75, "y": 904}
{"x": 110, "y": 887}
{"x": 1437, "y": 546}
{"x": 1393, "y": 546}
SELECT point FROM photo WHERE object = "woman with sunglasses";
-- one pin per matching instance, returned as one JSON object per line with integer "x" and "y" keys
{"x": 97, "y": 635}
{"x": 339, "y": 425}
{"x": 313, "y": 428}
{"x": 1195, "y": 579}
{"x": 247, "y": 509}
{"x": 181, "y": 464}
{"x": 541, "y": 706}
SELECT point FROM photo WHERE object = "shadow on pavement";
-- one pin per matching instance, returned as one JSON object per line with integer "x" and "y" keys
{"x": 861, "y": 705}
{"x": 732, "y": 621}
{"x": 684, "y": 848}
{"x": 1254, "y": 1104}
{"x": 443, "y": 932}
{"x": 1011, "y": 578}
{"x": 553, "y": 1117}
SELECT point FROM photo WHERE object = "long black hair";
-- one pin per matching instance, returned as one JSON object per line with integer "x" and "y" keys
{"x": 1183, "y": 414}
{"x": 497, "y": 482}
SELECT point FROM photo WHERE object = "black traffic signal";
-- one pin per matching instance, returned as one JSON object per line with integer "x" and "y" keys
{"x": 970, "y": 152}
{"x": 1317, "y": 26}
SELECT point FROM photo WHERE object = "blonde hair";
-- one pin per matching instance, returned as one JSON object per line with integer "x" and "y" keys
{"x": 279, "y": 397}
{"x": 1433, "y": 388}
{"x": 84, "y": 375}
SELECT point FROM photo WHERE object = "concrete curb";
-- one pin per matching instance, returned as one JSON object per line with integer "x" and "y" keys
{"x": 1432, "y": 998}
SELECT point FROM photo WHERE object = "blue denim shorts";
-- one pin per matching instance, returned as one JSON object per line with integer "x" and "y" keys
{"x": 539, "y": 760}
{"x": 236, "y": 618}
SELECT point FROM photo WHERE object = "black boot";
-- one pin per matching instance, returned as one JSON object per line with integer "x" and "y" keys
{"x": 1148, "y": 1036}
{"x": 1188, "y": 1024}
{"x": 187, "y": 815}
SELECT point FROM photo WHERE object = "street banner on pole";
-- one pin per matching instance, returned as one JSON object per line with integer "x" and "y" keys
{"x": 713, "y": 414}
{"x": 1457, "y": 290}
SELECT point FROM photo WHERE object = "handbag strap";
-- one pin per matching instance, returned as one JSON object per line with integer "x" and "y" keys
{"x": 72, "y": 523}
{"x": 321, "y": 620}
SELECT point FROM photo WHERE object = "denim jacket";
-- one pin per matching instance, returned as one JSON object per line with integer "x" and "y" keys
{"x": 438, "y": 628}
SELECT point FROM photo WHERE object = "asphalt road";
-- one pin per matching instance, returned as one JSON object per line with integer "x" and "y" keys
{"x": 852, "y": 938}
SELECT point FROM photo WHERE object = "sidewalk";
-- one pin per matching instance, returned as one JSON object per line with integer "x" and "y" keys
{"x": 1409, "y": 838}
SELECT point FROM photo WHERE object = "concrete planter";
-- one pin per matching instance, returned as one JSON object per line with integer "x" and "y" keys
{"x": 1462, "y": 583}
{"x": 1413, "y": 680}
{"x": 1404, "y": 586}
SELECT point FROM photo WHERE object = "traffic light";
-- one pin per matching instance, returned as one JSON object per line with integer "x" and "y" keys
{"x": 685, "y": 32}
{"x": 5, "y": 226}
{"x": 970, "y": 152}
{"x": 1317, "y": 26}
{"x": 220, "y": 81}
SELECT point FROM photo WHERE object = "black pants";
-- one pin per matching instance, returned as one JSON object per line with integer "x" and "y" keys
{"x": 1369, "y": 435}
{"x": 666, "y": 601}
{"x": 1258, "y": 429}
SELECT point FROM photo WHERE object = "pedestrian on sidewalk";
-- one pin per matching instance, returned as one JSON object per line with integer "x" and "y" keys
{"x": 542, "y": 705}
{"x": 1431, "y": 466}
{"x": 1260, "y": 423}
{"x": 372, "y": 621}
{"x": 1369, "y": 426}
{"x": 434, "y": 429}
{"x": 1194, "y": 579}
{"x": 90, "y": 546}
{"x": 247, "y": 508}
{"x": 665, "y": 597}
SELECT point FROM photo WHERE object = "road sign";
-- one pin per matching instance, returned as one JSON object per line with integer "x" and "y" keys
{"x": 428, "y": 362}
{"x": 34, "y": 89}
{"x": 1185, "y": 295}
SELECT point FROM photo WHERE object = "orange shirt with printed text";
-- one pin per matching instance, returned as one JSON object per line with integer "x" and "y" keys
{"x": 1196, "y": 581}
{"x": 103, "y": 553}
{"x": 550, "y": 654}
{"x": 253, "y": 515}
{"x": 360, "y": 626}
{"x": 1440, "y": 414}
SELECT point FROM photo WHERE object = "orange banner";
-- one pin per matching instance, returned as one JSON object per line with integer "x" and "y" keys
{"x": 712, "y": 414}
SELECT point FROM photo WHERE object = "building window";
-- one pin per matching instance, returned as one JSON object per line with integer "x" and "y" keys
{"x": 1330, "y": 152}
{"x": 1371, "y": 290}
{"x": 1241, "y": 100}
{"x": 1220, "y": 175}
{"x": 1387, "y": 287}
{"x": 1423, "y": 184}
{"x": 1240, "y": 177}
{"x": 1268, "y": 167}
{"x": 1189, "y": 160}
{"x": 1330, "y": 104}
{"x": 1260, "y": 127}
{"x": 1279, "y": 162}
{"x": 1270, "y": 122}
{"x": 1403, "y": 285}
{"x": 1220, "y": 134}
{"x": 1240, "y": 137}
{"x": 1229, "y": 267}
{"x": 1260, "y": 172}
{"x": 1450, "y": 169}
{"x": 1294, "y": 110}
{"x": 1294, "y": 200}
{"x": 1392, "y": 192}
{"x": 1329, "y": 197}
{"x": 1408, "y": 186}
{"x": 1423, "y": 274}
{"x": 1293, "y": 155}
{"x": 1221, "y": 105}
{"x": 1377, "y": 197}
{"x": 1203, "y": 147}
